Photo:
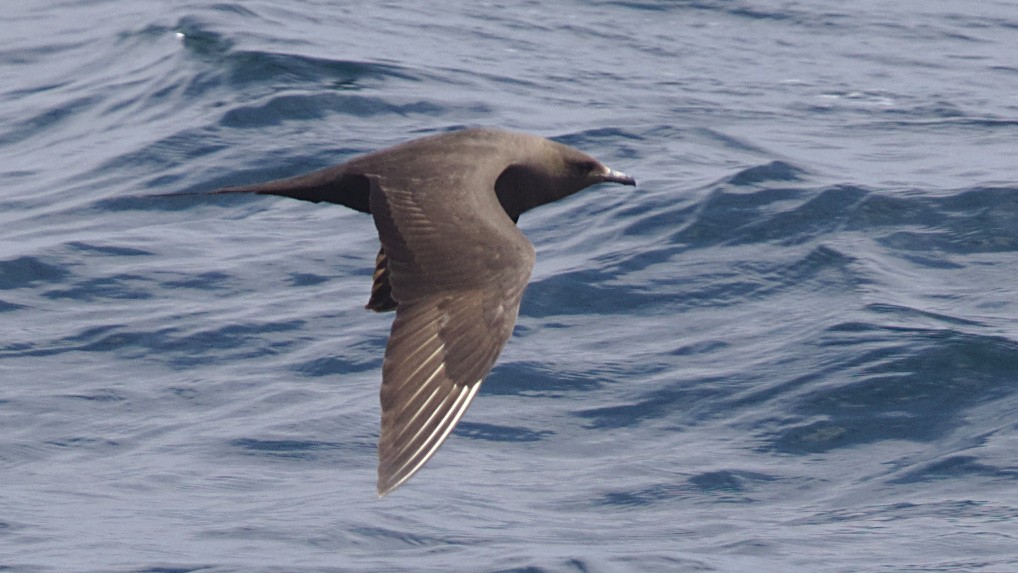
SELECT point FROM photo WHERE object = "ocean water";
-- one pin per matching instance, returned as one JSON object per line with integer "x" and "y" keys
{"x": 792, "y": 347}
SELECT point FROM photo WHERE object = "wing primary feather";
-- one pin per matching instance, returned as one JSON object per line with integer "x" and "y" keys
{"x": 420, "y": 365}
{"x": 431, "y": 441}
{"x": 408, "y": 423}
{"x": 419, "y": 428}
{"x": 392, "y": 480}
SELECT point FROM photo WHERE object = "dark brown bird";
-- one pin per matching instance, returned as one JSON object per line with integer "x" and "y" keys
{"x": 453, "y": 264}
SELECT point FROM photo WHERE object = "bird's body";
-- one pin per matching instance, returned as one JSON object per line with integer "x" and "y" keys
{"x": 453, "y": 264}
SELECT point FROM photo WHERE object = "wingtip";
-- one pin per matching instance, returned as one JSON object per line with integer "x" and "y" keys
{"x": 387, "y": 482}
{"x": 386, "y": 485}
{"x": 382, "y": 489}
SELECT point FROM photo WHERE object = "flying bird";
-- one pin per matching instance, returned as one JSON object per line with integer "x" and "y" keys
{"x": 452, "y": 264}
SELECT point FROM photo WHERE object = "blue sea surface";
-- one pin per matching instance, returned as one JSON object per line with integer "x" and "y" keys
{"x": 792, "y": 347}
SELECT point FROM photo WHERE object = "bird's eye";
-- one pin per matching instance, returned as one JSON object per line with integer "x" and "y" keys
{"x": 584, "y": 167}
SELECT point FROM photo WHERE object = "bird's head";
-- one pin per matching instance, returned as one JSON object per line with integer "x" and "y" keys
{"x": 556, "y": 172}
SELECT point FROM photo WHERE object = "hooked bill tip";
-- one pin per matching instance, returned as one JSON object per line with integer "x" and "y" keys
{"x": 619, "y": 177}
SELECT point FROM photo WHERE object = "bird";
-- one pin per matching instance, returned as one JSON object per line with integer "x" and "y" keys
{"x": 452, "y": 263}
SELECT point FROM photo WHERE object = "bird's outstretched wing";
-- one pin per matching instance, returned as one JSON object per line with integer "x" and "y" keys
{"x": 457, "y": 276}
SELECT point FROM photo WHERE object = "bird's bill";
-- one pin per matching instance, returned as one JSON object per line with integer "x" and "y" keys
{"x": 613, "y": 176}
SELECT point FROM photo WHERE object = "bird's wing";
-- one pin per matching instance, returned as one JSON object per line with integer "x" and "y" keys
{"x": 457, "y": 271}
